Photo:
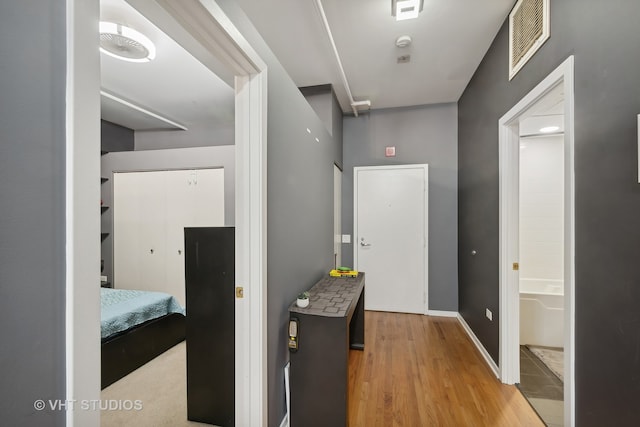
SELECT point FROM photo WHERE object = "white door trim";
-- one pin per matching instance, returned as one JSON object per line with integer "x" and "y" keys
{"x": 425, "y": 167}
{"x": 202, "y": 25}
{"x": 509, "y": 188}
{"x": 82, "y": 223}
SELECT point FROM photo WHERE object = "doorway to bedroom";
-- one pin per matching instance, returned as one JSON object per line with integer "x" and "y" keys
{"x": 167, "y": 163}
{"x": 244, "y": 74}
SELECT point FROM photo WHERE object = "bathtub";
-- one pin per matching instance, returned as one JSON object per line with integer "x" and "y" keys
{"x": 542, "y": 312}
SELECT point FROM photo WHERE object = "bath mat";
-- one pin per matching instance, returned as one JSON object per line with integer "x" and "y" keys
{"x": 552, "y": 357}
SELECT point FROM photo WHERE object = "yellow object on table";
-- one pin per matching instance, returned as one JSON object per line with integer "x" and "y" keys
{"x": 343, "y": 273}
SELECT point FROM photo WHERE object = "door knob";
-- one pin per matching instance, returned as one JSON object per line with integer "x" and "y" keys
{"x": 363, "y": 244}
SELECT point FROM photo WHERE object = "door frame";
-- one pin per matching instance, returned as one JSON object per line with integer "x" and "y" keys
{"x": 204, "y": 26}
{"x": 425, "y": 167}
{"x": 509, "y": 157}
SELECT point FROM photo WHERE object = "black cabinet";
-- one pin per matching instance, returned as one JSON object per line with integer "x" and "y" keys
{"x": 210, "y": 296}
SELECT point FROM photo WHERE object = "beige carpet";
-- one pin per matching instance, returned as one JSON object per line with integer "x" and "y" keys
{"x": 161, "y": 388}
{"x": 552, "y": 357}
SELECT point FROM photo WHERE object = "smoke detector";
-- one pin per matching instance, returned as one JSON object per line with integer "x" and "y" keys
{"x": 403, "y": 41}
{"x": 125, "y": 43}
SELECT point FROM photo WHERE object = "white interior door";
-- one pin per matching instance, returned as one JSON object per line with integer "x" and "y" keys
{"x": 390, "y": 246}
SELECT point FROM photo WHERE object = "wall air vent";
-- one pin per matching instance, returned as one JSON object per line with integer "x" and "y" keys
{"x": 528, "y": 30}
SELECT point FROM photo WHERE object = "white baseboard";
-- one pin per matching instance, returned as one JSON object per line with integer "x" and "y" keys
{"x": 483, "y": 351}
{"x": 285, "y": 421}
{"x": 440, "y": 313}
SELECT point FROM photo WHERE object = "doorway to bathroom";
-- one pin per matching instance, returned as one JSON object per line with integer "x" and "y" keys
{"x": 537, "y": 247}
{"x": 541, "y": 264}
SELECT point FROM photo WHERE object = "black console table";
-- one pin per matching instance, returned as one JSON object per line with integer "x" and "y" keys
{"x": 319, "y": 371}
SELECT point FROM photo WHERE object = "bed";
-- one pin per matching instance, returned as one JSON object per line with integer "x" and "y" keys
{"x": 136, "y": 326}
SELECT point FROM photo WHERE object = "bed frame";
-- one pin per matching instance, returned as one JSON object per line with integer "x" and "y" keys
{"x": 127, "y": 351}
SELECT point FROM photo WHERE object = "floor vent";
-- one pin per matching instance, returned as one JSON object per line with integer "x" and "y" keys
{"x": 528, "y": 30}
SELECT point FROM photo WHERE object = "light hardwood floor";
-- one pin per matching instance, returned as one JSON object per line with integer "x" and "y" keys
{"x": 425, "y": 371}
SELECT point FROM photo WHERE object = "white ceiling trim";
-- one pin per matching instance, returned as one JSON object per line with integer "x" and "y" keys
{"x": 127, "y": 105}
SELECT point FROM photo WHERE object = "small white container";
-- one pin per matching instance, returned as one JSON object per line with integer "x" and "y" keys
{"x": 302, "y": 303}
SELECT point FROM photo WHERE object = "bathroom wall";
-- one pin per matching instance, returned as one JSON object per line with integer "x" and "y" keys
{"x": 541, "y": 208}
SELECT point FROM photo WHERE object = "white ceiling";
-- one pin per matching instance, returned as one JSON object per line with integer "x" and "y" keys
{"x": 174, "y": 85}
{"x": 450, "y": 37}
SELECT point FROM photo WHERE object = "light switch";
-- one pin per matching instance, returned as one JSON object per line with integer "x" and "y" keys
{"x": 346, "y": 238}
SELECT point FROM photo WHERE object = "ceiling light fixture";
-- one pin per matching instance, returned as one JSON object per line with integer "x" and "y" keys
{"x": 406, "y": 9}
{"x": 550, "y": 129}
{"x": 125, "y": 43}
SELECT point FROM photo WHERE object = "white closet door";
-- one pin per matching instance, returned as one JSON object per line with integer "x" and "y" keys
{"x": 139, "y": 230}
{"x": 195, "y": 198}
{"x": 151, "y": 210}
{"x": 208, "y": 198}
{"x": 126, "y": 240}
{"x": 179, "y": 188}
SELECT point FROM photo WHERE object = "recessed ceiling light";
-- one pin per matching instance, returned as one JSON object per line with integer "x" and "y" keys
{"x": 125, "y": 43}
{"x": 406, "y": 9}
{"x": 549, "y": 129}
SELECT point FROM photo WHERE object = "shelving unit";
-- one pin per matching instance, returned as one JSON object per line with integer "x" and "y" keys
{"x": 103, "y": 208}
{"x": 103, "y": 236}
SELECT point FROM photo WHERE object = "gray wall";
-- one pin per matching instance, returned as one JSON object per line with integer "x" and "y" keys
{"x": 32, "y": 216}
{"x": 425, "y": 134}
{"x": 114, "y": 137}
{"x": 324, "y": 102}
{"x": 197, "y": 135}
{"x": 604, "y": 38}
{"x": 185, "y": 158}
{"x": 300, "y": 204}
{"x": 337, "y": 124}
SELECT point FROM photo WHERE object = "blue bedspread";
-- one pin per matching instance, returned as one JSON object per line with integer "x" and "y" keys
{"x": 122, "y": 309}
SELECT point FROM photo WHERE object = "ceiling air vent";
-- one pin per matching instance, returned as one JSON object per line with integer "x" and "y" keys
{"x": 528, "y": 30}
